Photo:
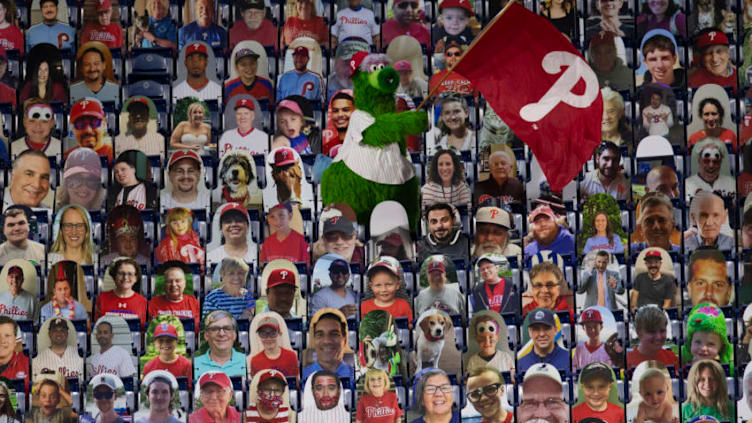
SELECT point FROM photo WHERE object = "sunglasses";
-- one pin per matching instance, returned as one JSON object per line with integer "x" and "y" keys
{"x": 85, "y": 121}
{"x": 453, "y": 54}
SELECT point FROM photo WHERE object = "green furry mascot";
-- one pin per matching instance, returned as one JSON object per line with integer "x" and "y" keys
{"x": 373, "y": 165}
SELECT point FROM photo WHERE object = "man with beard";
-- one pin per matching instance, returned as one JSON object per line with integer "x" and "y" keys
{"x": 341, "y": 107}
{"x": 712, "y": 113}
{"x": 443, "y": 236}
{"x": 50, "y": 30}
{"x": 245, "y": 137}
{"x": 234, "y": 223}
{"x": 184, "y": 176}
{"x": 203, "y": 28}
{"x": 337, "y": 295}
{"x": 541, "y": 327}
{"x": 268, "y": 406}
{"x": 17, "y": 303}
{"x": 662, "y": 179}
{"x": 708, "y": 214}
{"x": 406, "y": 21}
{"x": 136, "y": 136}
{"x": 38, "y": 122}
{"x": 542, "y": 386}
{"x": 29, "y": 182}
{"x": 92, "y": 63}
{"x": 87, "y": 117}
{"x": 300, "y": 81}
{"x": 485, "y": 388}
{"x": 656, "y": 221}
{"x": 59, "y": 356}
{"x": 327, "y": 336}
{"x": 111, "y": 359}
{"x": 708, "y": 280}
{"x": 174, "y": 301}
{"x": 248, "y": 81}
{"x": 196, "y": 83}
{"x": 710, "y": 160}
{"x": 493, "y": 292}
{"x": 492, "y": 226}
{"x": 253, "y": 26}
{"x": 17, "y": 244}
{"x": 602, "y": 285}
{"x": 608, "y": 178}
{"x": 652, "y": 287}
{"x": 438, "y": 294}
{"x": 323, "y": 400}
{"x": 501, "y": 184}
{"x": 547, "y": 234}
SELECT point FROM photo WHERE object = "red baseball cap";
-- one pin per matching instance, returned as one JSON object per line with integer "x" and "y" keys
{"x": 387, "y": 263}
{"x": 165, "y": 329}
{"x": 280, "y": 277}
{"x": 244, "y": 102}
{"x": 436, "y": 265}
{"x": 356, "y": 60}
{"x": 545, "y": 210}
{"x": 219, "y": 378}
{"x": 712, "y": 38}
{"x": 591, "y": 315}
{"x": 301, "y": 51}
{"x": 284, "y": 156}
{"x": 234, "y": 206}
{"x": 653, "y": 254}
{"x": 272, "y": 374}
{"x": 462, "y": 4}
{"x": 103, "y": 5}
{"x": 86, "y": 107}
{"x": 268, "y": 321}
{"x": 286, "y": 205}
{"x": 195, "y": 47}
{"x": 183, "y": 154}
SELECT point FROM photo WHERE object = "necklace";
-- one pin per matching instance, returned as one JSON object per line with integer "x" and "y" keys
{"x": 451, "y": 193}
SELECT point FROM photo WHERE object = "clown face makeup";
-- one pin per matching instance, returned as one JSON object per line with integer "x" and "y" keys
{"x": 326, "y": 392}
{"x": 710, "y": 163}
{"x": 487, "y": 335}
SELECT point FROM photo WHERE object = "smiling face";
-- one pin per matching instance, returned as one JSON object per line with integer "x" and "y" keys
{"x": 281, "y": 298}
{"x": 157, "y": 9}
{"x": 204, "y": 12}
{"x": 500, "y": 166}
{"x": 16, "y": 229}
{"x": 596, "y": 393}
{"x": 706, "y": 384}
{"x": 651, "y": 341}
{"x": 300, "y": 61}
{"x": 657, "y": 224}
{"x": 611, "y": 116}
{"x": 253, "y": 18}
{"x": 104, "y": 335}
{"x": 608, "y": 163}
{"x": 244, "y": 118}
{"x": 166, "y": 346}
{"x": 710, "y": 162}
{"x": 215, "y": 399}
{"x": 235, "y": 229}
{"x": 15, "y": 282}
{"x": 453, "y": 114}
{"x": 711, "y": 116}
{"x": 38, "y": 128}
{"x": 43, "y": 73}
{"x": 49, "y": 11}
{"x": 654, "y": 266}
{"x": 30, "y": 181}
{"x": 125, "y": 174}
{"x": 601, "y": 224}
{"x": 179, "y": 226}
{"x": 7, "y": 341}
{"x": 88, "y": 131}
{"x": 545, "y": 230}
{"x": 709, "y": 283}
{"x": 592, "y": 329}
{"x": 716, "y": 60}
{"x": 546, "y": 289}
{"x": 160, "y": 395}
{"x": 376, "y": 385}
{"x": 435, "y": 400}
{"x": 104, "y": 404}
{"x": 58, "y": 336}
{"x": 325, "y": 392}
{"x": 220, "y": 340}
{"x": 184, "y": 175}
{"x": 384, "y": 286}
{"x": 174, "y": 284}
{"x": 660, "y": 64}
{"x": 542, "y": 336}
{"x": 440, "y": 223}
{"x": 658, "y": 7}
{"x": 126, "y": 244}
{"x": 406, "y": 12}
{"x": 247, "y": 67}
{"x": 340, "y": 243}
{"x": 487, "y": 336}
{"x": 342, "y": 108}
{"x": 455, "y": 20}
{"x": 705, "y": 345}
{"x": 125, "y": 278}
{"x": 269, "y": 338}
{"x": 73, "y": 227}
{"x": 487, "y": 405}
{"x": 92, "y": 66}
{"x": 328, "y": 340}
{"x": 278, "y": 220}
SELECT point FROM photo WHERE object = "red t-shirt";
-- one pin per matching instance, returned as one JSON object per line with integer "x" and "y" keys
{"x": 455, "y": 83}
{"x": 666, "y": 357}
{"x": 128, "y": 308}
{"x": 744, "y": 182}
{"x": 612, "y": 414}
{"x": 18, "y": 368}
{"x": 11, "y": 38}
{"x": 185, "y": 309}
{"x": 378, "y": 410}
{"x": 110, "y": 35}
{"x": 314, "y": 28}
{"x": 266, "y": 34}
{"x": 286, "y": 363}
{"x": 391, "y": 30}
{"x": 399, "y": 308}
{"x": 293, "y": 248}
{"x": 181, "y": 367}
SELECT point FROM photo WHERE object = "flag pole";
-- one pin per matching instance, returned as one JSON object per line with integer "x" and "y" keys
{"x": 472, "y": 44}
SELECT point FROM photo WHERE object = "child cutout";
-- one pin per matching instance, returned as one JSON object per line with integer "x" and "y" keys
{"x": 657, "y": 403}
{"x": 657, "y": 117}
{"x": 181, "y": 242}
{"x": 706, "y": 336}
{"x": 592, "y": 350}
{"x": 379, "y": 403}
{"x": 270, "y": 346}
{"x": 651, "y": 325}
{"x": 166, "y": 344}
{"x": 486, "y": 329}
{"x": 384, "y": 285}
{"x": 597, "y": 395}
{"x": 707, "y": 393}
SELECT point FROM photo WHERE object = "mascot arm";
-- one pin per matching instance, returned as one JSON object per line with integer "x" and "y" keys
{"x": 392, "y": 127}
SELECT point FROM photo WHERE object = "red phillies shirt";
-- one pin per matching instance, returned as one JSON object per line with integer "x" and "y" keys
{"x": 378, "y": 410}
{"x": 110, "y": 35}
{"x": 286, "y": 363}
{"x": 187, "y": 308}
{"x": 179, "y": 368}
{"x": 128, "y": 308}
{"x": 17, "y": 368}
{"x": 11, "y": 38}
{"x": 612, "y": 414}
{"x": 495, "y": 295}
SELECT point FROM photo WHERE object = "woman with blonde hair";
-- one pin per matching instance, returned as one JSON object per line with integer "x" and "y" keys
{"x": 72, "y": 233}
{"x": 377, "y": 385}
{"x": 707, "y": 393}
{"x": 194, "y": 133}
{"x": 302, "y": 21}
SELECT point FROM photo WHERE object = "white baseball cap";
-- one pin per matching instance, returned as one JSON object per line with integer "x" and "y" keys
{"x": 542, "y": 369}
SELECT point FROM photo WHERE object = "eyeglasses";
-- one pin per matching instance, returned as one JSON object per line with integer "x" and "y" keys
{"x": 552, "y": 404}
{"x": 268, "y": 334}
{"x": 108, "y": 394}
{"x": 70, "y": 227}
{"x": 431, "y": 389}
{"x": 548, "y": 286}
{"x": 75, "y": 183}
{"x": 453, "y": 54}
{"x": 217, "y": 329}
{"x": 126, "y": 274}
{"x": 404, "y": 5}
{"x": 85, "y": 121}
{"x": 489, "y": 391}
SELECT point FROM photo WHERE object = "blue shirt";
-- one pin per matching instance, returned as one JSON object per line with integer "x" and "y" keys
{"x": 214, "y": 35}
{"x": 344, "y": 371}
{"x": 558, "y": 358}
{"x": 220, "y": 300}
{"x": 43, "y": 33}
{"x": 306, "y": 84}
{"x": 164, "y": 28}
{"x": 455, "y": 418}
{"x": 563, "y": 244}
{"x": 234, "y": 367}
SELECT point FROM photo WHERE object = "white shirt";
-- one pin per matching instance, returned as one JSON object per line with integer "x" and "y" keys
{"x": 351, "y": 23}
{"x": 70, "y": 364}
{"x": 115, "y": 361}
{"x": 210, "y": 91}
{"x": 151, "y": 144}
{"x": 724, "y": 185}
{"x": 254, "y": 142}
{"x": 218, "y": 254}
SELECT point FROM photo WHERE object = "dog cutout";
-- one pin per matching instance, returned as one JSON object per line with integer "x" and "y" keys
{"x": 433, "y": 327}
{"x": 288, "y": 179}
{"x": 238, "y": 179}
{"x": 140, "y": 26}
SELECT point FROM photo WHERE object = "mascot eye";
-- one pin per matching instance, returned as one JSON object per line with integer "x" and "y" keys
{"x": 381, "y": 66}
{"x": 373, "y": 68}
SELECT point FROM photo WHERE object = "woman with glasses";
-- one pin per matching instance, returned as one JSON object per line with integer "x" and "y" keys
{"x": 232, "y": 295}
{"x": 123, "y": 300}
{"x": 548, "y": 289}
{"x": 219, "y": 333}
{"x": 434, "y": 397}
{"x": 270, "y": 346}
{"x": 82, "y": 181}
{"x": 485, "y": 390}
{"x": 73, "y": 239}
{"x": 132, "y": 182}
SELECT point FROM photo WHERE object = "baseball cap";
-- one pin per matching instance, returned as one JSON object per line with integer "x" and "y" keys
{"x": 183, "y": 154}
{"x": 338, "y": 224}
{"x": 462, "y": 4}
{"x": 268, "y": 321}
{"x": 196, "y": 48}
{"x": 542, "y": 369}
{"x": 103, "y": 5}
{"x": 138, "y": 102}
{"x": 301, "y": 51}
{"x": 289, "y": 105}
{"x": 596, "y": 370}
{"x": 250, "y": 4}
{"x": 237, "y": 208}
{"x": 356, "y": 60}
{"x": 541, "y": 315}
{"x": 272, "y": 374}
{"x": 104, "y": 379}
{"x": 83, "y": 160}
{"x": 653, "y": 254}
{"x": 86, "y": 107}
{"x": 246, "y": 52}
{"x": 403, "y": 65}
{"x": 712, "y": 38}
{"x": 386, "y": 263}
{"x": 218, "y": 378}
{"x": 542, "y": 210}
{"x": 284, "y": 155}
{"x": 58, "y": 323}
{"x": 495, "y": 216}
{"x": 487, "y": 257}
{"x": 339, "y": 264}
{"x": 280, "y": 277}
{"x": 284, "y": 205}
{"x": 436, "y": 265}
{"x": 165, "y": 329}
{"x": 591, "y": 315}
{"x": 245, "y": 102}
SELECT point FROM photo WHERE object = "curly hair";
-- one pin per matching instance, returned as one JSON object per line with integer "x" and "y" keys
{"x": 459, "y": 169}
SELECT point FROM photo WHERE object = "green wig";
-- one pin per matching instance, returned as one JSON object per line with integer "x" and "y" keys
{"x": 707, "y": 317}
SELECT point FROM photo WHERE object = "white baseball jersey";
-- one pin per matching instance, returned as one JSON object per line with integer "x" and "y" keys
{"x": 254, "y": 142}
{"x": 210, "y": 91}
{"x": 115, "y": 361}
{"x": 70, "y": 364}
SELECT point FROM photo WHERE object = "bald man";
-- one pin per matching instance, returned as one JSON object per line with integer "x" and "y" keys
{"x": 662, "y": 179}
{"x": 708, "y": 214}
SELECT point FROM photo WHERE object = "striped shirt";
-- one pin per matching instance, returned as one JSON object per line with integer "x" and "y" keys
{"x": 457, "y": 195}
{"x": 220, "y": 300}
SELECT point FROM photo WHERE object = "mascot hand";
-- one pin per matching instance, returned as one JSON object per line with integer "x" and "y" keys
{"x": 415, "y": 122}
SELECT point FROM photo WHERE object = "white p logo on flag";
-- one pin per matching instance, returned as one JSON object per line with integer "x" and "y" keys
{"x": 561, "y": 91}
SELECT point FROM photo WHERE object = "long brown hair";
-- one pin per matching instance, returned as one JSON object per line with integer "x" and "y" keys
{"x": 609, "y": 229}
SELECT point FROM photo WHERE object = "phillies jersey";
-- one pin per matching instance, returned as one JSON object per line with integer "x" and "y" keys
{"x": 60, "y": 35}
{"x": 133, "y": 307}
{"x": 213, "y": 35}
{"x": 110, "y": 35}
{"x": 186, "y": 309}
{"x": 70, "y": 364}
{"x": 254, "y": 142}
{"x": 11, "y": 38}
{"x": 210, "y": 91}
{"x": 306, "y": 84}
{"x": 260, "y": 88}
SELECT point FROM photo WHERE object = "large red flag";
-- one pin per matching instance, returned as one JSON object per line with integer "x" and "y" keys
{"x": 539, "y": 84}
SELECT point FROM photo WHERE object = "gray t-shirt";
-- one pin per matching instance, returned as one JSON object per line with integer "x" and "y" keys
{"x": 109, "y": 92}
{"x": 325, "y": 297}
{"x": 449, "y": 299}
{"x": 34, "y": 251}
{"x": 23, "y": 306}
